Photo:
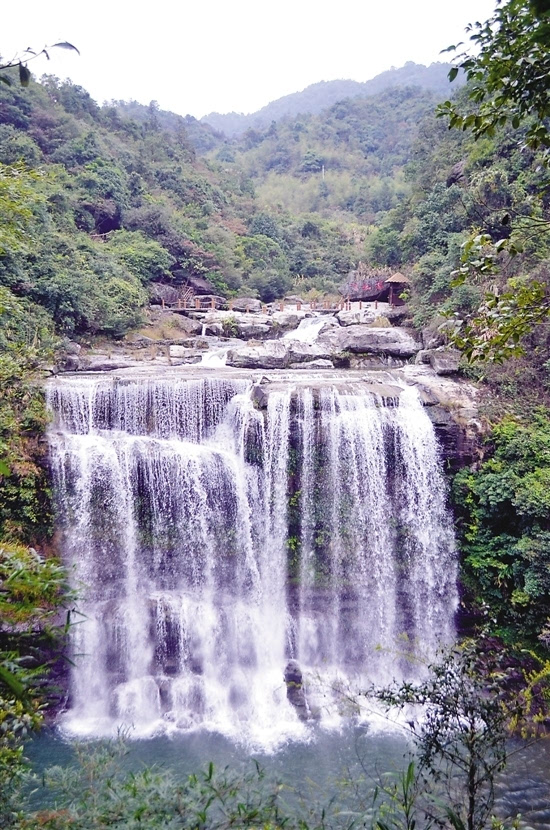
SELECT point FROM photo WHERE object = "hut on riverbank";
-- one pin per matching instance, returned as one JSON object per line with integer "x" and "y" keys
{"x": 398, "y": 284}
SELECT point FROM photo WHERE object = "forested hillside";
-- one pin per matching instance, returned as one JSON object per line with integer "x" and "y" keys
{"x": 131, "y": 200}
{"x": 318, "y": 97}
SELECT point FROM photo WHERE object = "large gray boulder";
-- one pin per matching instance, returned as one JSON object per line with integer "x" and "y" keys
{"x": 273, "y": 354}
{"x": 299, "y": 352}
{"x": 362, "y": 339}
{"x": 356, "y": 316}
{"x": 288, "y": 320}
{"x": 249, "y": 331}
{"x": 445, "y": 361}
{"x": 245, "y": 303}
{"x": 159, "y": 293}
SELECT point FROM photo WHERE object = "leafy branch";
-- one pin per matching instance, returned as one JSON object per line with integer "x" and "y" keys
{"x": 20, "y": 62}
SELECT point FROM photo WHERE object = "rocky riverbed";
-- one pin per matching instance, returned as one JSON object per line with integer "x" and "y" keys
{"x": 375, "y": 338}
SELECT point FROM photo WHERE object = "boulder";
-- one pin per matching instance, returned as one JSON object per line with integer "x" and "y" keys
{"x": 71, "y": 347}
{"x": 214, "y": 329}
{"x": 186, "y": 324}
{"x": 159, "y": 293}
{"x": 299, "y": 352}
{"x": 423, "y": 356}
{"x": 69, "y": 363}
{"x": 432, "y": 339}
{"x": 259, "y": 396}
{"x": 362, "y": 339}
{"x": 244, "y": 303}
{"x": 355, "y": 317}
{"x": 249, "y": 331}
{"x": 295, "y": 689}
{"x": 288, "y": 320}
{"x": 272, "y": 354}
{"x": 178, "y": 351}
{"x": 445, "y": 361}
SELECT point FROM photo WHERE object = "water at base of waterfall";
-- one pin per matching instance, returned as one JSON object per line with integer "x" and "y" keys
{"x": 313, "y": 772}
{"x": 214, "y": 540}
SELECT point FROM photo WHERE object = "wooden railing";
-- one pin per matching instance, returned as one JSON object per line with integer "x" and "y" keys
{"x": 190, "y": 302}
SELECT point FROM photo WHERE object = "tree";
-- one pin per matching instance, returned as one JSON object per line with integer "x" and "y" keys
{"x": 460, "y": 740}
{"x": 508, "y": 85}
{"x": 32, "y": 591}
{"x": 508, "y": 72}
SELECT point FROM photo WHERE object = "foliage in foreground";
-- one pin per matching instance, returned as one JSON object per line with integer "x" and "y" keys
{"x": 459, "y": 727}
{"x": 459, "y": 733}
{"x": 96, "y": 793}
{"x": 32, "y": 590}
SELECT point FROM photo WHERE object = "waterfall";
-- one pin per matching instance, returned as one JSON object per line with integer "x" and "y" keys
{"x": 211, "y": 541}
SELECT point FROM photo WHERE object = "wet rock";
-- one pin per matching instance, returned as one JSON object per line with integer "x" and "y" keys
{"x": 99, "y": 364}
{"x": 288, "y": 320}
{"x": 69, "y": 363}
{"x": 318, "y": 363}
{"x": 187, "y": 359}
{"x": 259, "y": 397}
{"x": 453, "y": 407}
{"x": 295, "y": 689}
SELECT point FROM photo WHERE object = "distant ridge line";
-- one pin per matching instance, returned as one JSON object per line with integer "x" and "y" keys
{"x": 319, "y": 96}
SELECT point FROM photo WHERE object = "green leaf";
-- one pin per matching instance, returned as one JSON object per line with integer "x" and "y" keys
{"x": 11, "y": 681}
{"x": 66, "y": 45}
{"x": 4, "y": 469}
{"x": 453, "y": 73}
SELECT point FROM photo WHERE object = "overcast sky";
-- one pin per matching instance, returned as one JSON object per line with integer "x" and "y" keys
{"x": 223, "y": 55}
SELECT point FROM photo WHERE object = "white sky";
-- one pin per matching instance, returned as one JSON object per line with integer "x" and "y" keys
{"x": 222, "y": 55}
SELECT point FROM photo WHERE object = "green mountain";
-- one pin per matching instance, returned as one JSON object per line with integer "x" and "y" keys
{"x": 318, "y": 97}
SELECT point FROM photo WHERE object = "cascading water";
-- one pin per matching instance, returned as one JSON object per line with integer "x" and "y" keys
{"x": 212, "y": 541}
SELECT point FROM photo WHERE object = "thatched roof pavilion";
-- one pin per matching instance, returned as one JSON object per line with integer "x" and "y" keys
{"x": 399, "y": 279}
{"x": 397, "y": 283}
